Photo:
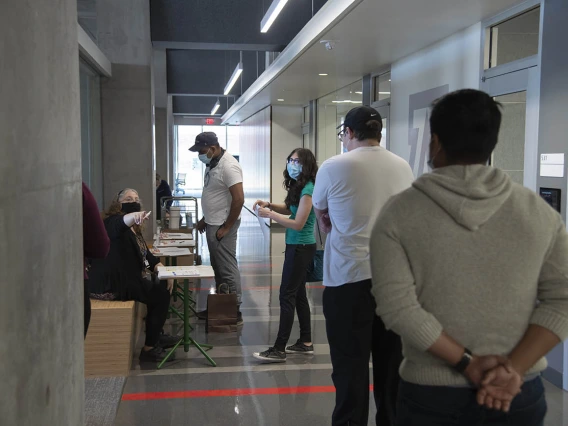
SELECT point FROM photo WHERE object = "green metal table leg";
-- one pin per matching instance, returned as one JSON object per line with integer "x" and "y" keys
{"x": 186, "y": 338}
{"x": 172, "y": 350}
{"x": 200, "y": 348}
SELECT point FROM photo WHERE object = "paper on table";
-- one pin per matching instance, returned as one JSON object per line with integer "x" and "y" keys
{"x": 166, "y": 272}
{"x": 170, "y": 251}
{"x": 175, "y": 236}
{"x": 263, "y": 227}
{"x": 175, "y": 243}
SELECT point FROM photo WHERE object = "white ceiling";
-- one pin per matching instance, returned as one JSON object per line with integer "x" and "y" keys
{"x": 369, "y": 37}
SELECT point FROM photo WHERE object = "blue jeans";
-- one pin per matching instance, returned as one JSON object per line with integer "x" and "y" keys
{"x": 444, "y": 406}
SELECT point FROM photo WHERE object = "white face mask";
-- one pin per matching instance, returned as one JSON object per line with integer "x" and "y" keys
{"x": 204, "y": 158}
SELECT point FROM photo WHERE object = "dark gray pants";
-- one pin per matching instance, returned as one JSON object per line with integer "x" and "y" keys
{"x": 224, "y": 258}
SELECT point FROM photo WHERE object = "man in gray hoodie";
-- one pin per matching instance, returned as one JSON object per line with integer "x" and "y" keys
{"x": 471, "y": 270}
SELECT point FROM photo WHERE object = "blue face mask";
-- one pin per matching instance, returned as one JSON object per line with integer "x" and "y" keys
{"x": 204, "y": 158}
{"x": 345, "y": 149}
{"x": 294, "y": 170}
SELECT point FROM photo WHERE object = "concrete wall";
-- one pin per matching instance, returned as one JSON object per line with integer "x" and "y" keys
{"x": 418, "y": 79}
{"x": 41, "y": 307}
{"x": 553, "y": 128}
{"x": 161, "y": 132}
{"x": 127, "y": 120}
{"x": 286, "y": 136}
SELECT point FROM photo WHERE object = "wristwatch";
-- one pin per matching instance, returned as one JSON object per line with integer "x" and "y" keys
{"x": 464, "y": 362}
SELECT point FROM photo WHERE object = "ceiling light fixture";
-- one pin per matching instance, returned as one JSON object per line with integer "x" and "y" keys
{"x": 271, "y": 14}
{"x": 384, "y": 93}
{"x": 215, "y": 107}
{"x": 347, "y": 101}
{"x": 280, "y": 100}
{"x": 359, "y": 93}
{"x": 323, "y": 75}
{"x": 236, "y": 74}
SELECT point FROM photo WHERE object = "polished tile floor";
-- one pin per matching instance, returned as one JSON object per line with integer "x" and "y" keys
{"x": 240, "y": 390}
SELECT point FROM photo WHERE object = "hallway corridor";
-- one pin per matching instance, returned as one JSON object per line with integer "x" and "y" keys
{"x": 241, "y": 390}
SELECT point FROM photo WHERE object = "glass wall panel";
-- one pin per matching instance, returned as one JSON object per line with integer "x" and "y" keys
{"x": 233, "y": 145}
{"x": 509, "y": 154}
{"x": 331, "y": 114}
{"x": 91, "y": 144}
{"x": 382, "y": 87}
{"x": 188, "y": 163}
{"x": 515, "y": 38}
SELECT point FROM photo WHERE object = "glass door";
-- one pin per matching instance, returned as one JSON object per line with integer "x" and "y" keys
{"x": 516, "y": 152}
{"x": 509, "y": 154}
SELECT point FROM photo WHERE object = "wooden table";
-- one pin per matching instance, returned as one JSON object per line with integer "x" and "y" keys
{"x": 180, "y": 272}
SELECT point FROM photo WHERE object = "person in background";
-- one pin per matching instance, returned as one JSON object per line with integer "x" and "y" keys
{"x": 96, "y": 243}
{"x": 469, "y": 266}
{"x": 297, "y": 216}
{"x": 222, "y": 201}
{"x": 127, "y": 272}
{"x": 162, "y": 190}
{"x": 350, "y": 191}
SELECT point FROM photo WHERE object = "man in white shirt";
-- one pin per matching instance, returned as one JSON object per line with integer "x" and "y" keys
{"x": 350, "y": 191}
{"x": 222, "y": 201}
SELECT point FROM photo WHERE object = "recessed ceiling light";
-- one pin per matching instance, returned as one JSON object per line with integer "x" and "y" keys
{"x": 359, "y": 93}
{"x": 280, "y": 100}
{"x": 323, "y": 74}
{"x": 384, "y": 93}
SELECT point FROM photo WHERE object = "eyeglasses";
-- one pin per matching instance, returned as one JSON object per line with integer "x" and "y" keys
{"x": 295, "y": 161}
{"x": 206, "y": 179}
{"x": 341, "y": 134}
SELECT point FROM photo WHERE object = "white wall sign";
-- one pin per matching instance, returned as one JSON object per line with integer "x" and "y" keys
{"x": 552, "y": 165}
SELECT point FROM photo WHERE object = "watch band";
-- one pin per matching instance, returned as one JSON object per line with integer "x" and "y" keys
{"x": 461, "y": 366}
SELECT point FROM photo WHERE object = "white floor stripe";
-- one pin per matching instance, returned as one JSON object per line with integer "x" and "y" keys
{"x": 237, "y": 369}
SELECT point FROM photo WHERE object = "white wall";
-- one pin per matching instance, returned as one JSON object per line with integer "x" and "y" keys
{"x": 448, "y": 65}
{"x": 286, "y": 136}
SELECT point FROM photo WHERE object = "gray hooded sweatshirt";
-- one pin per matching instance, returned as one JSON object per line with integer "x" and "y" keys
{"x": 468, "y": 251}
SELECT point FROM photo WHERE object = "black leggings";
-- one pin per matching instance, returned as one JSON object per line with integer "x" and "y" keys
{"x": 155, "y": 295}
{"x": 293, "y": 293}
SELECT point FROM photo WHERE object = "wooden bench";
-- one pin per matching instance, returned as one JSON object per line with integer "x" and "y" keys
{"x": 112, "y": 337}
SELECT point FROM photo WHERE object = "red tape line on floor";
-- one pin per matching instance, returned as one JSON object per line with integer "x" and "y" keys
{"x": 227, "y": 392}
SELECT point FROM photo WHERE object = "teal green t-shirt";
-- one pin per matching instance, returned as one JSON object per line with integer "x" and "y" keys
{"x": 306, "y": 235}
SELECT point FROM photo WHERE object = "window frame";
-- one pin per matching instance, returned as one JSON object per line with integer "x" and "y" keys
{"x": 519, "y": 64}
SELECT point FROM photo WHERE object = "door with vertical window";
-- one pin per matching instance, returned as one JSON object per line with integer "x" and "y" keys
{"x": 511, "y": 75}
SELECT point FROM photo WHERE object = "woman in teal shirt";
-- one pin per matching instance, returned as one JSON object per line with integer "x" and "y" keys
{"x": 298, "y": 217}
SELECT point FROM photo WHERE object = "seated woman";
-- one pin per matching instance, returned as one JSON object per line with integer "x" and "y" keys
{"x": 126, "y": 273}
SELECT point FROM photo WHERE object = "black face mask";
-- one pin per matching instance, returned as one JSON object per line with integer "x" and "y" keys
{"x": 130, "y": 207}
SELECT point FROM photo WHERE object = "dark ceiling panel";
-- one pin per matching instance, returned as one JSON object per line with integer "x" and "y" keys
{"x": 208, "y": 71}
{"x": 227, "y": 21}
{"x": 198, "y": 105}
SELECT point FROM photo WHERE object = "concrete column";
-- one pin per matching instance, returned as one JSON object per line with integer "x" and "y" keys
{"x": 128, "y": 147}
{"x": 172, "y": 155}
{"x": 41, "y": 307}
{"x": 162, "y": 143}
{"x": 161, "y": 102}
